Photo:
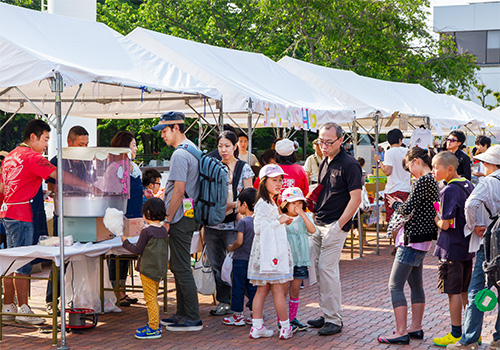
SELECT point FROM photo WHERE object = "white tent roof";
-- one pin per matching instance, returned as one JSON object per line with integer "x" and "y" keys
{"x": 124, "y": 79}
{"x": 241, "y": 75}
{"x": 367, "y": 96}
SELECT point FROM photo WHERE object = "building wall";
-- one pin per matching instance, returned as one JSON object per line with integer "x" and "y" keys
{"x": 475, "y": 19}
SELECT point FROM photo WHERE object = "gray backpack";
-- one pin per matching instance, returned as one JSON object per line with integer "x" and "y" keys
{"x": 210, "y": 206}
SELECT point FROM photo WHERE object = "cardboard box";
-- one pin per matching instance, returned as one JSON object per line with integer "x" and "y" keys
{"x": 86, "y": 229}
{"x": 132, "y": 227}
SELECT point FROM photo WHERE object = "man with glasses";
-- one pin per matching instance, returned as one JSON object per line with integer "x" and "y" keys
{"x": 340, "y": 176}
{"x": 454, "y": 143}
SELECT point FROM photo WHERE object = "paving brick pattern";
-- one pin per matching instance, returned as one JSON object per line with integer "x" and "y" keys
{"x": 367, "y": 314}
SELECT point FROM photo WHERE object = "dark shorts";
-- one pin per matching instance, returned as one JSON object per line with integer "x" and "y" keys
{"x": 454, "y": 276}
{"x": 300, "y": 272}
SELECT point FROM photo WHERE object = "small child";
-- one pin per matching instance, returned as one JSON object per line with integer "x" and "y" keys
{"x": 151, "y": 182}
{"x": 452, "y": 248}
{"x": 294, "y": 205}
{"x": 151, "y": 247}
{"x": 241, "y": 286}
{"x": 268, "y": 230}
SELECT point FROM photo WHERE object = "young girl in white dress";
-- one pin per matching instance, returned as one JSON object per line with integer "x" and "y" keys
{"x": 270, "y": 265}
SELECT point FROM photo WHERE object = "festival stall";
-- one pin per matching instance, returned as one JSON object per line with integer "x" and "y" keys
{"x": 378, "y": 104}
{"x": 55, "y": 65}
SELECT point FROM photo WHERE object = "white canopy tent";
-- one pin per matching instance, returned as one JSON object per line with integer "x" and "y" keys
{"x": 52, "y": 64}
{"x": 249, "y": 83}
{"x": 368, "y": 96}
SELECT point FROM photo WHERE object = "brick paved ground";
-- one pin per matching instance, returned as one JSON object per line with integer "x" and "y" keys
{"x": 367, "y": 314}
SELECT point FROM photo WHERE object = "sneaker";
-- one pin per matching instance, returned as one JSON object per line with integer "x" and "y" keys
{"x": 50, "y": 309}
{"x": 494, "y": 345}
{"x": 234, "y": 320}
{"x": 148, "y": 333}
{"x": 317, "y": 322}
{"x": 286, "y": 333}
{"x": 25, "y": 309}
{"x": 299, "y": 326}
{"x": 262, "y": 332}
{"x": 11, "y": 309}
{"x": 171, "y": 320}
{"x": 185, "y": 325}
{"x": 448, "y": 339}
{"x": 221, "y": 309}
{"x": 330, "y": 329}
{"x": 458, "y": 346}
{"x": 248, "y": 320}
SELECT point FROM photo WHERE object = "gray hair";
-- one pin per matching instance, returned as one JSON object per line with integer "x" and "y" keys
{"x": 338, "y": 129}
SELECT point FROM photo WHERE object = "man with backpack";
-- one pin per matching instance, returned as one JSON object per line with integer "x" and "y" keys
{"x": 483, "y": 202}
{"x": 182, "y": 185}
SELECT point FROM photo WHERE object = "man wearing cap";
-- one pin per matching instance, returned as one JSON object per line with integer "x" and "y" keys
{"x": 340, "y": 176}
{"x": 484, "y": 197}
{"x": 182, "y": 183}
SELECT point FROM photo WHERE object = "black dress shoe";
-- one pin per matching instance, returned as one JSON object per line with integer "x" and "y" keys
{"x": 317, "y": 322}
{"x": 404, "y": 340}
{"x": 330, "y": 329}
{"x": 417, "y": 334}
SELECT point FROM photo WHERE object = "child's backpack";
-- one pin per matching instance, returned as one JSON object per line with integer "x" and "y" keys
{"x": 210, "y": 206}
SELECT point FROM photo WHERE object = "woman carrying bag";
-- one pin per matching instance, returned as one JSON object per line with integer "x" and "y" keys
{"x": 218, "y": 237}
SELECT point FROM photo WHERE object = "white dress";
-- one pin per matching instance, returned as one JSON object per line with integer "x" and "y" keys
{"x": 266, "y": 215}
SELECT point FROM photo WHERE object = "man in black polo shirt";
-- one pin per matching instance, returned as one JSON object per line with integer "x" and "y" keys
{"x": 454, "y": 143}
{"x": 340, "y": 175}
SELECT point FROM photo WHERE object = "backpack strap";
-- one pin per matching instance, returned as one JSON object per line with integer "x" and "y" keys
{"x": 238, "y": 169}
{"x": 191, "y": 149}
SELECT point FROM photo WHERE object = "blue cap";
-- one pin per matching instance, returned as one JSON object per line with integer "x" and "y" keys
{"x": 170, "y": 118}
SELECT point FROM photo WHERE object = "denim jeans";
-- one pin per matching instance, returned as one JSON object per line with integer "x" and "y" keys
{"x": 19, "y": 234}
{"x": 407, "y": 267}
{"x": 241, "y": 286}
{"x": 473, "y": 318}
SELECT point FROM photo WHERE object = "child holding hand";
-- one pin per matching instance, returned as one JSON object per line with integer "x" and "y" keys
{"x": 270, "y": 250}
{"x": 294, "y": 204}
{"x": 151, "y": 247}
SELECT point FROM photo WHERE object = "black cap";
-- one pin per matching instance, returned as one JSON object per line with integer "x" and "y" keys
{"x": 169, "y": 118}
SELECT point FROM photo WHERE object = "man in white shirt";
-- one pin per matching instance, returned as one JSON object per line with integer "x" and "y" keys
{"x": 398, "y": 180}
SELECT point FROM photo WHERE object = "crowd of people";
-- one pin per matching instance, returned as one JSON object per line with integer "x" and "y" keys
{"x": 272, "y": 236}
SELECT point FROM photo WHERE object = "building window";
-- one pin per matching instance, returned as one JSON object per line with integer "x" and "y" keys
{"x": 485, "y": 45}
{"x": 493, "y": 47}
{"x": 473, "y": 43}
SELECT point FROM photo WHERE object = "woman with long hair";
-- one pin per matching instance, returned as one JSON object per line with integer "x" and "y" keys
{"x": 413, "y": 242}
{"x": 218, "y": 237}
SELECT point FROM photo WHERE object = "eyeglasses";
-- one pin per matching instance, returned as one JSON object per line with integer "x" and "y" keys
{"x": 327, "y": 143}
{"x": 451, "y": 140}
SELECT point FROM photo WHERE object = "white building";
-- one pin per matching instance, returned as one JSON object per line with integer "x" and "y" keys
{"x": 476, "y": 29}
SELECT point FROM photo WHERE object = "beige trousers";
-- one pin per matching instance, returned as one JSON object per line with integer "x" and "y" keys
{"x": 328, "y": 244}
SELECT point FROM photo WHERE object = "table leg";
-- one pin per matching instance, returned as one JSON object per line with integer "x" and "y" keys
{"x": 101, "y": 279}
{"x": 55, "y": 273}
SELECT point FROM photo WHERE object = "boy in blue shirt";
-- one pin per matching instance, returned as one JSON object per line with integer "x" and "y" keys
{"x": 452, "y": 248}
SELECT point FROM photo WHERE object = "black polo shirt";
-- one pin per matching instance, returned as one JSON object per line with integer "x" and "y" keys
{"x": 341, "y": 176}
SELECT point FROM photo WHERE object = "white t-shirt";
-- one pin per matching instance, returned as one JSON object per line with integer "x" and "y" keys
{"x": 422, "y": 138}
{"x": 399, "y": 180}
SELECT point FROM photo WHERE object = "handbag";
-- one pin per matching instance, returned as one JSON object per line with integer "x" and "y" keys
{"x": 312, "y": 198}
{"x": 203, "y": 274}
{"x": 227, "y": 268}
{"x": 396, "y": 223}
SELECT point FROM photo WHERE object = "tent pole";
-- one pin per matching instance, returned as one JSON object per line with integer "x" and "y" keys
{"x": 250, "y": 131}
{"x": 306, "y": 141}
{"x": 221, "y": 115}
{"x": 376, "y": 117}
{"x": 57, "y": 87}
{"x": 361, "y": 231}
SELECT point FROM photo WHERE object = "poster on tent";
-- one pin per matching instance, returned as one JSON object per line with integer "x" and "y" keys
{"x": 313, "y": 120}
{"x": 305, "y": 119}
{"x": 267, "y": 113}
{"x": 296, "y": 120}
{"x": 279, "y": 114}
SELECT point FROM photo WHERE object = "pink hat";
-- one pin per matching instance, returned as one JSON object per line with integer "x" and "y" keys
{"x": 292, "y": 194}
{"x": 271, "y": 170}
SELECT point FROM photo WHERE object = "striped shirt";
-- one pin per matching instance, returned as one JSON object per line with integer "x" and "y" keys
{"x": 486, "y": 193}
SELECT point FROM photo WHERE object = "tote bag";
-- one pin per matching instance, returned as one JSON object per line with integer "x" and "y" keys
{"x": 227, "y": 268}
{"x": 204, "y": 275}
{"x": 274, "y": 250}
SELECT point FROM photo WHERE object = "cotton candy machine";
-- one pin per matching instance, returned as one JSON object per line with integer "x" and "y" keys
{"x": 94, "y": 179}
